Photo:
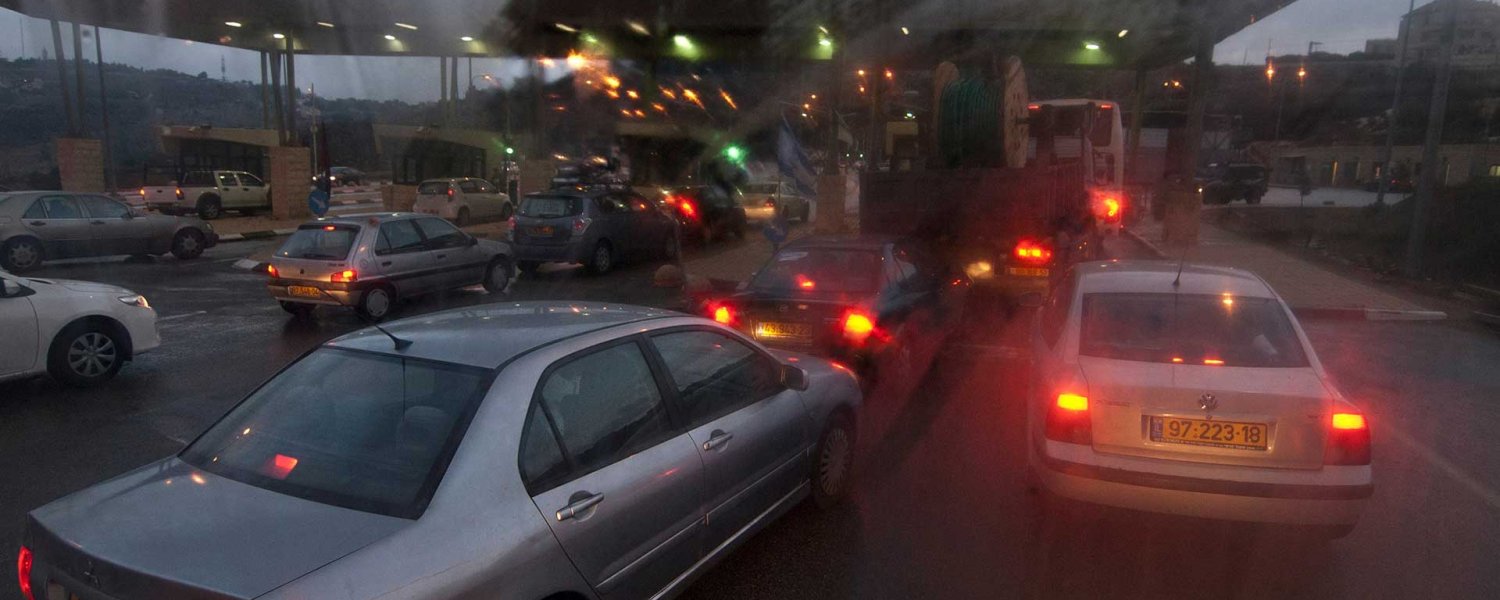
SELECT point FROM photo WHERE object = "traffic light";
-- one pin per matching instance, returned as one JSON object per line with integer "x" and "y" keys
{"x": 734, "y": 153}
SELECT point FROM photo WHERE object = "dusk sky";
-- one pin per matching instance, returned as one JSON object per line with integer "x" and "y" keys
{"x": 1342, "y": 26}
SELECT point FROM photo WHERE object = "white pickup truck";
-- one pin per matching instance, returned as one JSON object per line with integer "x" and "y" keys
{"x": 209, "y": 194}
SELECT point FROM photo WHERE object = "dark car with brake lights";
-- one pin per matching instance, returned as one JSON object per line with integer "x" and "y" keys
{"x": 707, "y": 213}
{"x": 596, "y": 226}
{"x": 884, "y": 305}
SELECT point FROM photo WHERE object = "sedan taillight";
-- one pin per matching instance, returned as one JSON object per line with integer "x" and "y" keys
{"x": 581, "y": 224}
{"x": 1348, "y": 440}
{"x": 1068, "y": 419}
{"x": 23, "y": 570}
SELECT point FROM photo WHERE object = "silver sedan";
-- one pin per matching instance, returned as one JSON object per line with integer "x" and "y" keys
{"x": 524, "y": 451}
{"x": 37, "y": 226}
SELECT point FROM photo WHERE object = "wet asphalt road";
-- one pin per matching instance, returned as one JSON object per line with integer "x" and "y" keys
{"x": 938, "y": 510}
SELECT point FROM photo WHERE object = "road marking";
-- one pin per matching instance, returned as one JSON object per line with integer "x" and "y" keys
{"x": 173, "y": 317}
{"x": 1489, "y": 496}
{"x": 192, "y": 289}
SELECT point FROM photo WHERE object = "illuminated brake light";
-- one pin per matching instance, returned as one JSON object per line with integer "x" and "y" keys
{"x": 858, "y": 327}
{"x": 179, "y": 193}
{"x": 1072, "y": 402}
{"x": 344, "y": 276}
{"x": 329, "y": 228}
{"x": 1106, "y": 106}
{"x": 687, "y": 208}
{"x": 23, "y": 570}
{"x": 1031, "y": 252}
{"x": 271, "y": 270}
{"x": 1348, "y": 421}
{"x": 1348, "y": 440}
{"x": 723, "y": 315}
{"x": 1068, "y": 419}
{"x": 1033, "y": 107}
{"x": 804, "y": 283}
{"x": 143, "y": 192}
{"x": 450, "y": 192}
{"x": 1214, "y": 362}
{"x": 1111, "y": 208}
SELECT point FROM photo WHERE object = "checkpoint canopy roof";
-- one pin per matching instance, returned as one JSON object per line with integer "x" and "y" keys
{"x": 920, "y": 33}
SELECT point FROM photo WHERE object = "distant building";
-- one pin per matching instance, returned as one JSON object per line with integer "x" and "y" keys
{"x": 1476, "y": 37}
{"x": 1360, "y": 165}
{"x": 1382, "y": 48}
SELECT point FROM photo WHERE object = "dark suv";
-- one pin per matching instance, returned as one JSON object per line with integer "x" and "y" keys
{"x": 1240, "y": 181}
{"x": 707, "y": 212}
{"x": 596, "y": 226}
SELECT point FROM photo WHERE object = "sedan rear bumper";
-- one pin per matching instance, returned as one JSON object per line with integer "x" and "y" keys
{"x": 570, "y": 252}
{"x": 1334, "y": 503}
{"x": 330, "y": 294}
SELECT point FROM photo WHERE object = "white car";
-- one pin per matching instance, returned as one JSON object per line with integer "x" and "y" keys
{"x": 78, "y": 331}
{"x": 463, "y": 200}
{"x": 1190, "y": 390}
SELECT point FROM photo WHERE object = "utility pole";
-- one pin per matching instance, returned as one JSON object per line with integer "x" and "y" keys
{"x": 1390, "y": 125}
{"x": 1431, "y": 162}
{"x": 109, "y": 159}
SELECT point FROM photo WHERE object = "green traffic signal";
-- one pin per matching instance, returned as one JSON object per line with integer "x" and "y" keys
{"x": 734, "y": 153}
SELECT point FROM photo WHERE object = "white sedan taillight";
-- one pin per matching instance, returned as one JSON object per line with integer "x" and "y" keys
{"x": 1348, "y": 440}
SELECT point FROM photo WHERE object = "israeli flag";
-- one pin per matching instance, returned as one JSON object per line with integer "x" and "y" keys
{"x": 793, "y": 161}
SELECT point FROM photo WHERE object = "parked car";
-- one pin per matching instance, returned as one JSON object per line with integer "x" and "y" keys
{"x": 463, "y": 200}
{"x": 342, "y": 176}
{"x": 707, "y": 213}
{"x": 38, "y": 226}
{"x": 1190, "y": 390}
{"x": 884, "y": 305}
{"x": 765, "y": 201}
{"x": 1226, "y": 183}
{"x": 209, "y": 193}
{"x": 79, "y": 332}
{"x": 369, "y": 262}
{"x": 582, "y": 450}
{"x": 596, "y": 226}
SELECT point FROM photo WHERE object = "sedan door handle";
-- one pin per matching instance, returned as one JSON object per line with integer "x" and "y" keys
{"x": 385, "y": 263}
{"x": 38, "y": 223}
{"x": 97, "y": 222}
{"x": 716, "y": 439}
{"x": 573, "y": 510}
{"x": 442, "y": 256}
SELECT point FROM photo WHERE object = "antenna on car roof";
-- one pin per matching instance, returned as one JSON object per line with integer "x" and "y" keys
{"x": 399, "y": 343}
{"x": 1180, "y": 262}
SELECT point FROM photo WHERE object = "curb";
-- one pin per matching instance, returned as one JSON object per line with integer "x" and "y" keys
{"x": 1150, "y": 247}
{"x": 254, "y": 235}
{"x": 245, "y": 264}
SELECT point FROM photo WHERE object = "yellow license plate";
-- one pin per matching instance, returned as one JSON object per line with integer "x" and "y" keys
{"x": 302, "y": 291}
{"x": 544, "y": 230}
{"x": 1027, "y": 271}
{"x": 1204, "y": 432}
{"x": 782, "y": 331}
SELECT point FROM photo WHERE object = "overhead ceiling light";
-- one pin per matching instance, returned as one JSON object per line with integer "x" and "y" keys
{"x": 324, "y": 24}
{"x": 278, "y": 36}
{"x": 467, "y": 38}
{"x": 905, "y": 31}
{"x": 1091, "y": 45}
{"x": 234, "y": 24}
{"x": 407, "y": 26}
{"x": 566, "y": 28}
{"x": 1123, "y": 33}
{"x": 390, "y": 37}
{"x": 637, "y": 27}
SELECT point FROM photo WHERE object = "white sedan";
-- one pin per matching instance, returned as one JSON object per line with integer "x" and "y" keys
{"x": 1190, "y": 390}
{"x": 79, "y": 332}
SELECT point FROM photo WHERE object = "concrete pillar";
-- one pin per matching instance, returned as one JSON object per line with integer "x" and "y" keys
{"x": 1183, "y": 204}
{"x": 397, "y": 197}
{"x": 80, "y": 164}
{"x": 290, "y": 170}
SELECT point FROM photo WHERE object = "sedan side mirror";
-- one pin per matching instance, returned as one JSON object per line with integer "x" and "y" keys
{"x": 13, "y": 289}
{"x": 473, "y": 241}
{"x": 793, "y": 378}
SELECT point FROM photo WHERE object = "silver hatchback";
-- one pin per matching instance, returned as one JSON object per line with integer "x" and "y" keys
{"x": 518, "y": 450}
{"x": 368, "y": 262}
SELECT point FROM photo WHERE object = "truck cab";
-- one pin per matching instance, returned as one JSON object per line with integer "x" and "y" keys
{"x": 210, "y": 193}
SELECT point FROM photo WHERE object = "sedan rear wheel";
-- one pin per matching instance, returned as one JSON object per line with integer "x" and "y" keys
{"x": 85, "y": 354}
{"x": 376, "y": 303}
{"x": 497, "y": 275}
{"x": 187, "y": 244}
{"x": 21, "y": 254}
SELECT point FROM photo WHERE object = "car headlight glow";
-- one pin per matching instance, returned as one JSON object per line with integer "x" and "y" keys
{"x": 135, "y": 300}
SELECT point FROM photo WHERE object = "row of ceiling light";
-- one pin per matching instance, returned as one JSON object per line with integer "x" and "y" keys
{"x": 279, "y": 36}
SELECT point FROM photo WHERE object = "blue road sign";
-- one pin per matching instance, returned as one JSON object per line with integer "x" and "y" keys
{"x": 317, "y": 202}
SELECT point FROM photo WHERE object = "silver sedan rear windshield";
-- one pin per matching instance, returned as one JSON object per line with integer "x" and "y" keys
{"x": 320, "y": 242}
{"x": 551, "y": 207}
{"x": 360, "y": 430}
{"x": 1189, "y": 329}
